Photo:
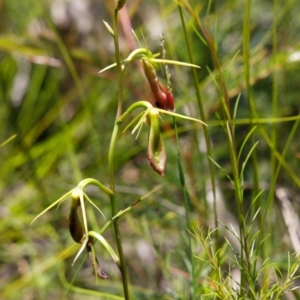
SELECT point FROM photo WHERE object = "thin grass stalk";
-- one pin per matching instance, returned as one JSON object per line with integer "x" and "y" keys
{"x": 256, "y": 121}
{"x": 273, "y": 178}
{"x": 68, "y": 60}
{"x": 255, "y": 191}
{"x": 223, "y": 94}
{"x": 232, "y": 149}
{"x": 78, "y": 84}
{"x": 72, "y": 155}
{"x": 238, "y": 190}
{"x": 246, "y": 62}
{"x": 274, "y": 154}
{"x": 203, "y": 117}
{"x": 295, "y": 178}
{"x": 270, "y": 199}
{"x": 70, "y": 284}
{"x": 187, "y": 210}
{"x": 274, "y": 84}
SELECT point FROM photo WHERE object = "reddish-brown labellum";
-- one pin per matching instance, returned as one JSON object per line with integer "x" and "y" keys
{"x": 169, "y": 102}
{"x": 163, "y": 97}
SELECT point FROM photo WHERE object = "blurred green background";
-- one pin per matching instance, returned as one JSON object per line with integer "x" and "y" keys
{"x": 60, "y": 113}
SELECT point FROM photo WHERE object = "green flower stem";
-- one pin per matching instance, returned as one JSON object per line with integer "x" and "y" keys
{"x": 122, "y": 264}
{"x": 113, "y": 203}
{"x": 111, "y": 158}
{"x": 119, "y": 66}
{"x": 120, "y": 4}
{"x": 131, "y": 108}
{"x": 95, "y": 182}
{"x": 137, "y": 53}
{"x": 114, "y": 210}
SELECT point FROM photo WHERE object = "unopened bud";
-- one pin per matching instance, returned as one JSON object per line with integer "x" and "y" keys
{"x": 120, "y": 4}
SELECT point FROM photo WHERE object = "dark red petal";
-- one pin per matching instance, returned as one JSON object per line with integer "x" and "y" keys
{"x": 75, "y": 226}
{"x": 169, "y": 103}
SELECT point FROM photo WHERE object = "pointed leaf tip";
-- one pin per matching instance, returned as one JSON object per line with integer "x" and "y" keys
{"x": 109, "y": 29}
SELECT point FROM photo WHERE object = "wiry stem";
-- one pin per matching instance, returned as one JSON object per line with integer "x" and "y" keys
{"x": 119, "y": 66}
{"x": 203, "y": 118}
{"x": 187, "y": 210}
{"x": 111, "y": 159}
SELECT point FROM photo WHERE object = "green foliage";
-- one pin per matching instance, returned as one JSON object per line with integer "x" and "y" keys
{"x": 222, "y": 223}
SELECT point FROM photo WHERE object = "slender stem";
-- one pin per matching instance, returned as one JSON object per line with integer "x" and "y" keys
{"x": 224, "y": 97}
{"x": 119, "y": 66}
{"x": 258, "y": 204}
{"x": 114, "y": 211}
{"x": 111, "y": 159}
{"x": 246, "y": 60}
{"x": 203, "y": 117}
{"x": 274, "y": 115}
{"x": 187, "y": 209}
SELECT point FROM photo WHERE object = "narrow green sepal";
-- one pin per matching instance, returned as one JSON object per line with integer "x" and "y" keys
{"x": 156, "y": 149}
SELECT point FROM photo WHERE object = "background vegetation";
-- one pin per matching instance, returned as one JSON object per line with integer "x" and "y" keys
{"x": 57, "y": 115}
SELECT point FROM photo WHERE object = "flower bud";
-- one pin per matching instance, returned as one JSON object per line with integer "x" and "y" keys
{"x": 156, "y": 150}
{"x": 164, "y": 98}
{"x": 120, "y": 4}
{"x": 75, "y": 225}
